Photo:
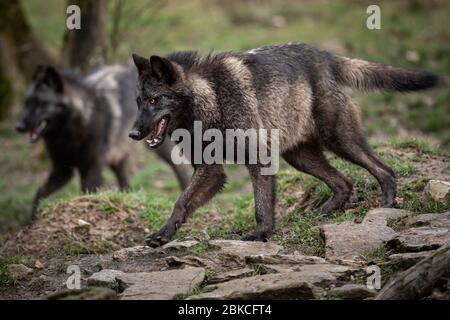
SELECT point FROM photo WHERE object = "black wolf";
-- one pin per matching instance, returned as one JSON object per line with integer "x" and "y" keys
{"x": 84, "y": 123}
{"x": 294, "y": 88}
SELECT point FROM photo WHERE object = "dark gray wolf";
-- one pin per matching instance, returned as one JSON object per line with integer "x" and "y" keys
{"x": 294, "y": 88}
{"x": 84, "y": 123}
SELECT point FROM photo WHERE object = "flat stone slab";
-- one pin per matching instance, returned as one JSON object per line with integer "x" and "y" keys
{"x": 351, "y": 292}
{"x": 420, "y": 239}
{"x": 309, "y": 268}
{"x": 193, "y": 261}
{"x": 438, "y": 190}
{"x": 90, "y": 293}
{"x": 305, "y": 284}
{"x": 105, "y": 277}
{"x": 132, "y": 252}
{"x": 430, "y": 220}
{"x": 384, "y": 215}
{"x": 350, "y": 241}
{"x": 160, "y": 285}
{"x": 407, "y": 260}
{"x": 179, "y": 245}
{"x": 283, "y": 259}
{"x": 241, "y": 249}
{"x": 231, "y": 275}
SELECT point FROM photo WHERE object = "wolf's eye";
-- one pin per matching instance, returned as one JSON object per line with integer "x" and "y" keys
{"x": 152, "y": 101}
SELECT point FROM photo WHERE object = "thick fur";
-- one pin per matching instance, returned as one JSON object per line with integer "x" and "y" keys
{"x": 88, "y": 120}
{"x": 294, "y": 88}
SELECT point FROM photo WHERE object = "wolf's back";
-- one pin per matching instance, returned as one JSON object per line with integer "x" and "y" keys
{"x": 364, "y": 75}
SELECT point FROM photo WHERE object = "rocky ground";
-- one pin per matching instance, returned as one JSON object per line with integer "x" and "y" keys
{"x": 103, "y": 239}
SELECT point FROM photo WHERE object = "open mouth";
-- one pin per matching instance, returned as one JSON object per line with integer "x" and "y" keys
{"x": 36, "y": 132}
{"x": 156, "y": 137}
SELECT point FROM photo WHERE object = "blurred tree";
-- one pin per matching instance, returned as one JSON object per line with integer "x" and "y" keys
{"x": 17, "y": 38}
{"x": 20, "y": 51}
{"x": 86, "y": 47}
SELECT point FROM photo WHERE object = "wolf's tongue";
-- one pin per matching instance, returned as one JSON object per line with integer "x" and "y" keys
{"x": 159, "y": 128}
{"x": 35, "y": 132}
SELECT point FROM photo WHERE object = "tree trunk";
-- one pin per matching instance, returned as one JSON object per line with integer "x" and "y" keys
{"x": 20, "y": 52}
{"x": 418, "y": 281}
{"x": 86, "y": 47}
{"x": 18, "y": 39}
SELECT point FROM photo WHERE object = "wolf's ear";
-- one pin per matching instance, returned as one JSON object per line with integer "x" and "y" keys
{"x": 39, "y": 73}
{"x": 142, "y": 64}
{"x": 51, "y": 77}
{"x": 163, "y": 69}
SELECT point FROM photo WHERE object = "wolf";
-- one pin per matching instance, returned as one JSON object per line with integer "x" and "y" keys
{"x": 84, "y": 122}
{"x": 294, "y": 88}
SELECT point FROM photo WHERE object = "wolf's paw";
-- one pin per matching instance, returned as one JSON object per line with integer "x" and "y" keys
{"x": 256, "y": 236}
{"x": 157, "y": 239}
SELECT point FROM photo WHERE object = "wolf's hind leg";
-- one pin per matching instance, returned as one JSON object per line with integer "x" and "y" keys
{"x": 310, "y": 159}
{"x": 120, "y": 170}
{"x": 91, "y": 177}
{"x": 206, "y": 181}
{"x": 57, "y": 178}
{"x": 354, "y": 148}
{"x": 264, "y": 189}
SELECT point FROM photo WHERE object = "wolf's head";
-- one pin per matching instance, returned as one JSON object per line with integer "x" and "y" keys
{"x": 44, "y": 104}
{"x": 162, "y": 99}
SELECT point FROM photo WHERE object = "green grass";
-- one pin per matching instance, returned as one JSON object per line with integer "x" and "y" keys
{"x": 5, "y": 279}
{"x": 237, "y": 224}
{"x": 301, "y": 229}
{"x": 199, "y": 248}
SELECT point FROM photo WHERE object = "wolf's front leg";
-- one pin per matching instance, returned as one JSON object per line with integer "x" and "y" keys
{"x": 206, "y": 181}
{"x": 264, "y": 188}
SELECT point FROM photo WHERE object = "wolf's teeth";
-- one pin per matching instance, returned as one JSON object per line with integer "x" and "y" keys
{"x": 42, "y": 125}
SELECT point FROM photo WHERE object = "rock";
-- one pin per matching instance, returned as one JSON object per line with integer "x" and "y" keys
{"x": 179, "y": 245}
{"x": 193, "y": 261}
{"x": 106, "y": 278}
{"x": 126, "y": 253}
{"x": 283, "y": 259}
{"x": 305, "y": 284}
{"x": 160, "y": 285}
{"x": 351, "y": 292}
{"x": 83, "y": 227}
{"x": 438, "y": 190}
{"x": 241, "y": 249}
{"x": 230, "y": 275}
{"x": 91, "y": 293}
{"x": 420, "y": 239}
{"x": 321, "y": 267}
{"x": 407, "y": 260}
{"x": 38, "y": 265}
{"x": 18, "y": 271}
{"x": 350, "y": 241}
{"x": 384, "y": 215}
{"x": 430, "y": 220}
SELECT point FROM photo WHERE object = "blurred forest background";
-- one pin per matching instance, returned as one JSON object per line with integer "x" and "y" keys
{"x": 413, "y": 34}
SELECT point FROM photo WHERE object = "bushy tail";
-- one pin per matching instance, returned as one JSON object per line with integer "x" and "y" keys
{"x": 365, "y": 76}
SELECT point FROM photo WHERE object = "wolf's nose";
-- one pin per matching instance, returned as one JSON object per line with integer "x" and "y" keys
{"x": 20, "y": 126}
{"x": 134, "y": 134}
